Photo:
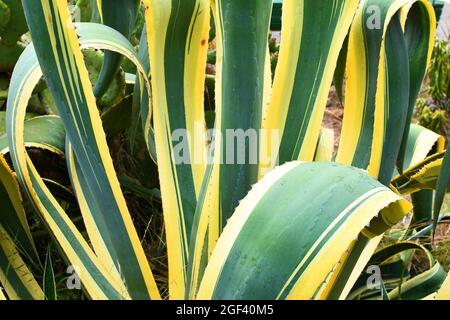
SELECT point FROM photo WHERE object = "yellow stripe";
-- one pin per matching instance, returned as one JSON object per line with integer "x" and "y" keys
{"x": 157, "y": 16}
{"x": 425, "y": 178}
{"x": 424, "y": 143}
{"x": 330, "y": 280}
{"x": 341, "y": 31}
{"x": 444, "y": 292}
{"x": 197, "y": 254}
{"x": 208, "y": 228}
{"x": 379, "y": 117}
{"x": 323, "y": 263}
{"x": 363, "y": 259}
{"x": 20, "y": 268}
{"x": 267, "y": 94}
{"x": 212, "y": 194}
{"x": 265, "y": 152}
{"x": 356, "y": 88}
{"x": 284, "y": 80}
{"x": 99, "y": 8}
{"x": 325, "y": 147}
{"x": 194, "y": 87}
{"x": 433, "y": 23}
{"x": 404, "y": 11}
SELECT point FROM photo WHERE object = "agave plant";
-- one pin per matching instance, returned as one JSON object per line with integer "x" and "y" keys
{"x": 302, "y": 227}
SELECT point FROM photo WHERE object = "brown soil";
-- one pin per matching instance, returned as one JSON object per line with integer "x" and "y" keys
{"x": 333, "y": 116}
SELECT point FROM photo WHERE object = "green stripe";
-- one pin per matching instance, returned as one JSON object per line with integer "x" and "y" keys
{"x": 177, "y": 42}
{"x": 319, "y": 22}
{"x": 417, "y": 37}
{"x": 397, "y": 98}
{"x": 242, "y": 91}
{"x": 372, "y": 39}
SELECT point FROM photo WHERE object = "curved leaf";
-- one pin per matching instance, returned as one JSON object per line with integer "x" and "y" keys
{"x": 121, "y": 16}
{"x": 82, "y": 122}
{"x": 16, "y": 278}
{"x": 177, "y": 33}
{"x": 382, "y": 84}
{"x": 13, "y": 219}
{"x": 43, "y": 132}
{"x": 281, "y": 262}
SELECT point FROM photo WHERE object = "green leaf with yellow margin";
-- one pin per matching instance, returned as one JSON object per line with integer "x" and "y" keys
{"x": 15, "y": 277}
{"x": 330, "y": 203}
{"x": 177, "y": 32}
{"x": 85, "y": 133}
